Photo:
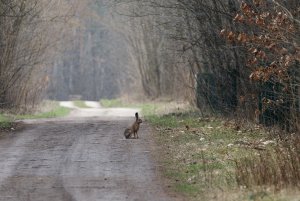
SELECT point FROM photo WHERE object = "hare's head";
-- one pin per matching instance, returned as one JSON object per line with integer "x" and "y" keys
{"x": 138, "y": 120}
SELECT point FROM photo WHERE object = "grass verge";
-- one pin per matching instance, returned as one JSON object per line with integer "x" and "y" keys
{"x": 146, "y": 108}
{"x": 55, "y": 112}
{"x": 204, "y": 159}
{"x": 149, "y": 109}
{"x": 217, "y": 159}
{"x": 278, "y": 167}
{"x": 80, "y": 104}
{"x": 48, "y": 109}
{"x": 112, "y": 103}
{"x": 5, "y": 122}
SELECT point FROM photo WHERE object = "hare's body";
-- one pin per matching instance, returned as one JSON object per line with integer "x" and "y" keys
{"x": 134, "y": 128}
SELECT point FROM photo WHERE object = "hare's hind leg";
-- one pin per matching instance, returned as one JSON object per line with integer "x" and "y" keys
{"x": 127, "y": 133}
{"x": 135, "y": 135}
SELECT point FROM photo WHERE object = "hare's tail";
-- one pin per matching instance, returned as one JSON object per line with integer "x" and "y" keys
{"x": 127, "y": 133}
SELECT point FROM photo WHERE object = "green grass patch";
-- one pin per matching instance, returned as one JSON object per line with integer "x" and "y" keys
{"x": 47, "y": 109}
{"x": 80, "y": 104}
{"x": 57, "y": 112}
{"x": 5, "y": 122}
{"x": 111, "y": 103}
{"x": 187, "y": 188}
{"x": 206, "y": 166}
{"x": 178, "y": 119}
{"x": 199, "y": 155}
{"x": 148, "y": 109}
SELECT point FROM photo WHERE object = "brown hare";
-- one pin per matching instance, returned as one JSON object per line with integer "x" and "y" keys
{"x": 134, "y": 128}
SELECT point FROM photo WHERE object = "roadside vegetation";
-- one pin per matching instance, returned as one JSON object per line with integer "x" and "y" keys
{"x": 5, "y": 122}
{"x": 148, "y": 108}
{"x": 241, "y": 60}
{"x": 112, "y": 103}
{"x": 80, "y": 104}
{"x": 55, "y": 112}
{"x": 47, "y": 109}
{"x": 214, "y": 158}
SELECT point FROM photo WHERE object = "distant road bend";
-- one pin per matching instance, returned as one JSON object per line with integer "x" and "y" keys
{"x": 83, "y": 157}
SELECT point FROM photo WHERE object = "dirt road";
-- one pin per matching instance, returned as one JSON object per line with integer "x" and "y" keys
{"x": 83, "y": 157}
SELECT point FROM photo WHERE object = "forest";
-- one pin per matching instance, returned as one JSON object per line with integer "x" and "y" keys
{"x": 235, "y": 58}
{"x": 215, "y": 85}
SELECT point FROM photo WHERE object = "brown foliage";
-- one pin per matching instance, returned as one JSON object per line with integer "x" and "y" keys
{"x": 269, "y": 32}
{"x": 271, "y": 40}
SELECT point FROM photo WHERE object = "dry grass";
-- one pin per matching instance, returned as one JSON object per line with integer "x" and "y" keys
{"x": 204, "y": 159}
{"x": 278, "y": 167}
{"x": 216, "y": 159}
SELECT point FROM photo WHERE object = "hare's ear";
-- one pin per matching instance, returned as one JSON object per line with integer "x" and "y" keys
{"x": 136, "y": 115}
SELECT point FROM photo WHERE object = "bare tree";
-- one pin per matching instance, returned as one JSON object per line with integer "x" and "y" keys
{"x": 30, "y": 31}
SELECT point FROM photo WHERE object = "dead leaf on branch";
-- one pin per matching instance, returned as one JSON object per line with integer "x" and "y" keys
{"x": 271, "y": 46}
{"x": 256, "y": 75}
{"x": 231, "y": 36}
{"x": 260, "y": 21}
{"x": 242, "y": 37}
{"x": 222, "y": 32}
{"x": 259, "y": 3}
{"x": 262, "y": 55}
{"x": 239, "y": 18}
{"x": 247, "y": 10}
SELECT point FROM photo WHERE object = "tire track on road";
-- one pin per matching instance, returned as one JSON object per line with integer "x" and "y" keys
{"x": 80, "y": 160}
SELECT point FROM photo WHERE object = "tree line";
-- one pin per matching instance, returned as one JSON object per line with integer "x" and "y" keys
{"x": 237, "y": 58}
{"x": 55, "y": 49}
{"x": 95, "y": 63}
{"x": 30, "y": 32}
{"x": 241, "y": 58}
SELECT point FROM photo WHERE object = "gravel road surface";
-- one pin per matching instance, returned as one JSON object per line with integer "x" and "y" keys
{"x": 83, "y": 157}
